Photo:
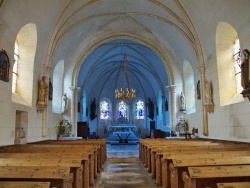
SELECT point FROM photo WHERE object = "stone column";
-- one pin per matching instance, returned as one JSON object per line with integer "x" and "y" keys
{"x": 204, "y": 112}
{"x": 73, "y": 110}
{"x": 172, "y": 103}
{"x": 163, "y": 110}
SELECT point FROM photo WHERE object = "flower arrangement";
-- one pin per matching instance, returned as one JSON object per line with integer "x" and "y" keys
{"x": 64, "y": 128}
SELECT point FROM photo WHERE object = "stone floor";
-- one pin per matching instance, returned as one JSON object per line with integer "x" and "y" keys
{"x": 123, "y": 169}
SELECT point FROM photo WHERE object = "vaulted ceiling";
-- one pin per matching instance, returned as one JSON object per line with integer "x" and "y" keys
{"x": 157, "y": 36}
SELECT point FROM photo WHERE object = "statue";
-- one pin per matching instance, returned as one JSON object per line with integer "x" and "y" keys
{"x": 208, "y": 92}
{"x": 50, "y": 90}
{"x": 183, "y": 102}
{"x": 150, "y": 109}
{"x": 209, "y": 105}
{"x": 245, "y": 69}
{"x": 42, "y": 94}
{"x": 182, "y": 126}
{"x": 198, "y": 90}
{"x": 42, "y": 91}
{"x": 93, "y": 109}
{"x": 64, "y": 103}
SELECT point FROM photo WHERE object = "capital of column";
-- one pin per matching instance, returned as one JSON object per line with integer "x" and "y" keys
{"x": 171, "y": 88}
{"x": 74, "y": 89}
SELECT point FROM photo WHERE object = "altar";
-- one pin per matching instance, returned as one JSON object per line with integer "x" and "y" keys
{"x": 122, "y": 133}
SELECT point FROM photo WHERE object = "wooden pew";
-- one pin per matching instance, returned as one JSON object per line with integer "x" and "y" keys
{"x": 59, "y": 177}
{"x": 159, "y": 156}
{"x": 20, "y": 184}
{"x": 234, "y": 185}
{"x": 74, "y": 164}
{"x": 153, "y": 152}
{"x": 168, "y": 157}
{"x": 99, "y": 142}
{"x": 58, "y": 149}
{"x": 185, "y": 146}
{"x": 180, "y": 164}
{"x": 209, "y": 176}
{"x": 51, "y": 155}
{"x": 101, "y": 151}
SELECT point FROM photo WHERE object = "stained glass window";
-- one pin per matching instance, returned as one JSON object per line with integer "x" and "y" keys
{"x": 122, "y": 110}
{"x": 104, "y": 110}
{"x": 15, "y": 68}
{"x": 140, "y": 110}
{"x": 237, "y": 64}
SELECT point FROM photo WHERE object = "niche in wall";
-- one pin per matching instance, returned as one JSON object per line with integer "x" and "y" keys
{"x": 21, "y": 127}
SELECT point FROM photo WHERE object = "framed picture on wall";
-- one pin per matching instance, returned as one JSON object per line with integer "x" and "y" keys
{"x": 4, "y": 66}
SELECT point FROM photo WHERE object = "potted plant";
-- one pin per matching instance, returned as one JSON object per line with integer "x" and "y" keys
{"x": 64, "y": 128}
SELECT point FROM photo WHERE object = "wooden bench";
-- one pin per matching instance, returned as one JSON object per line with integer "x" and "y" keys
{"x": 234, "y": 185}
{"x": 87, "y": 173}
{"x": 100, "y": 142}
{"x": 153, "y": 152}
{"x": 159, "y": 156}
{"x": 187, "y": 156}
{"x": 180, "y": 164}
{"x": 59, "y": 177}
{"x": 59, "y": 150}
{"x": 200, "y": 177}
{"x": 98, "y": 145}
{"x": 74, "y": 164}
{"x": 22, "y": 184}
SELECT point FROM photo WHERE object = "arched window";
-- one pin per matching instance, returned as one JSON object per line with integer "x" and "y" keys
{"x": 139, "y": 108}
{"x": 23, "y": 69}
{"x": 228, "y": 74}
{"x": 189, "y": 87}
{"x": 15, "y": 68}
{"x": 122, "y": 110}
{"x": 57, "y": 87}
{"x": 104, "y": 110}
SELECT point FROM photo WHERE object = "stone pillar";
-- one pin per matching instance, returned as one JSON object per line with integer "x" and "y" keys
{"x": 172, "y": 103}
{"x": 204, "y": 112}
{"x": 163, "y": 110}
{"x": 73, "y": 110}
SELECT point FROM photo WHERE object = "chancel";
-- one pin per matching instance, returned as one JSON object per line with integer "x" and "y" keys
{"x": 122, "y": 73}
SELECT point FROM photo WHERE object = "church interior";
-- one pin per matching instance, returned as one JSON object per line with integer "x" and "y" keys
{"x": 124, "y": 71}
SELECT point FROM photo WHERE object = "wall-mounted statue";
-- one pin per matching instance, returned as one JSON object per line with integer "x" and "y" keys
{"x": 209, "y": 105}
{"x": 198, "y": 90}
{"x": 42, "y": 94}
{"x": 245, "y": 77}
{"x": 4, "y": 66}
{"x": 150, "y": 109}
{"x": 93, "y": 109}
{"x": 245, "y": 69}
{"x": 50, "y": 90}
{"x": 64, "y": 103}
{"x": 182, "y": 102}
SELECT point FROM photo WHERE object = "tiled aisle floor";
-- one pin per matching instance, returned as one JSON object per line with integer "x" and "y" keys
{"x": 123, "y": 169}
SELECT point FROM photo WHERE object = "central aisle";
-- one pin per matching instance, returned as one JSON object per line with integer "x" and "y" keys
{"x": 123, "y": 169}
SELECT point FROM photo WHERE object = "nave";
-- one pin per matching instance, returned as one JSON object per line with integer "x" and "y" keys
{"x": 123, "y": 169}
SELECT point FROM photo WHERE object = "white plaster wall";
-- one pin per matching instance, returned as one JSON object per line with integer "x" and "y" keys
{"x": 14, "y": 15}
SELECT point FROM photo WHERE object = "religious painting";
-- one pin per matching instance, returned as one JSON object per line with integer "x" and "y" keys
{"x": 4, "y": 66}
